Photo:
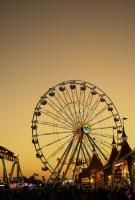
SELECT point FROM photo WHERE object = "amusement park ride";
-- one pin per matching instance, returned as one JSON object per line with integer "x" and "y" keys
{"x": 72, "y": 121}
{"x": 7, "y": 155}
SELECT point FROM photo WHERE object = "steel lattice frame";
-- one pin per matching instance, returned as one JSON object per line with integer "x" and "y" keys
{"x": 70, "y": 120}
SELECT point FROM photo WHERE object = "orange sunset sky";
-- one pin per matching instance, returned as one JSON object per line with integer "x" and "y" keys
{"x": 43, "y": 43}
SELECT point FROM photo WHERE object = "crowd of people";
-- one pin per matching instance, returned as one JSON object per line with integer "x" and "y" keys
{"x": 51, "y": 192}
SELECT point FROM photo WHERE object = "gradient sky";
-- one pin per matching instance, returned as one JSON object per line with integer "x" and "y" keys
{"x": 43, "y": 43}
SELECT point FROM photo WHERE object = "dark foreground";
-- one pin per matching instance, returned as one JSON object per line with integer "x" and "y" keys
{"x": 65, "y": 193}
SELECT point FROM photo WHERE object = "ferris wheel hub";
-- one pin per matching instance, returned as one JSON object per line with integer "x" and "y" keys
{"x": 86, "y": 128}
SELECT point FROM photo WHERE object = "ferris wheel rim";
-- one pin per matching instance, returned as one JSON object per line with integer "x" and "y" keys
{"x": 79, "y": 82}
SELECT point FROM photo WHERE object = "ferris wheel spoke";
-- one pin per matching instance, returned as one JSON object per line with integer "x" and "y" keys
{"x": 89, "y": 107}
{"x": 67, "y": 103}
{"x": 77, "y": 101}
{"x": 92, "y": 110}
{"x": 72, "y": 103}
{"x": 59, "y": 149}
{"x": 85, "y": 157}
{"x": 93, "y": 142}
{"x": 54, "y": 142}
{"x": 86, "y": 104}
{"x": 80, "y": 99}
{"x": 100, "y": 128}
{"x": 64, "y": 111}
{"x": 55, "y": 117}
{"x": 54, "y": 133}
{"x": 57, "y": 111}
{"x": 101, "y": 135}
{"x": 54, "y": 125}
{"x": 79, "y": 105}
{"x": 60, "y": 160}
{"x": 101, "y": 120}
{"x": 89, "y": 145}
{"x": 102, "y": 146}
{"x": 84, "y": 147}
{"x": 99, "y": 112}
{"x": 104, "y": 143}
{"x": 75, "y": 112}
{"x": 71, "y": 157}
{"x": 83, "y": 110}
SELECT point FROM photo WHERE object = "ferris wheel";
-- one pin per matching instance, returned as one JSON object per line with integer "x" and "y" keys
{"x": 70, "y": 120}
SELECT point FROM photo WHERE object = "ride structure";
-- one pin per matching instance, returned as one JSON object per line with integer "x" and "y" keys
{"x": 69, "y": 120}
{"x": 7, "y": 155}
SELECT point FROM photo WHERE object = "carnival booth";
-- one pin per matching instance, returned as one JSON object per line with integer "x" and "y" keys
{"x": 94, "y": 174}
{"x": 108, "y": 172}
{"x": 122, "y": 166}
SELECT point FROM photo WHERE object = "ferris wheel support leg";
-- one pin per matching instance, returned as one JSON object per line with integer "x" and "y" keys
{"x": 65, "y": 157}
{"x": 72, "y": 156}
{"x": 77, "y": 160}
{"x": 65, "y": 153}
{"x": 84, "y": 147}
